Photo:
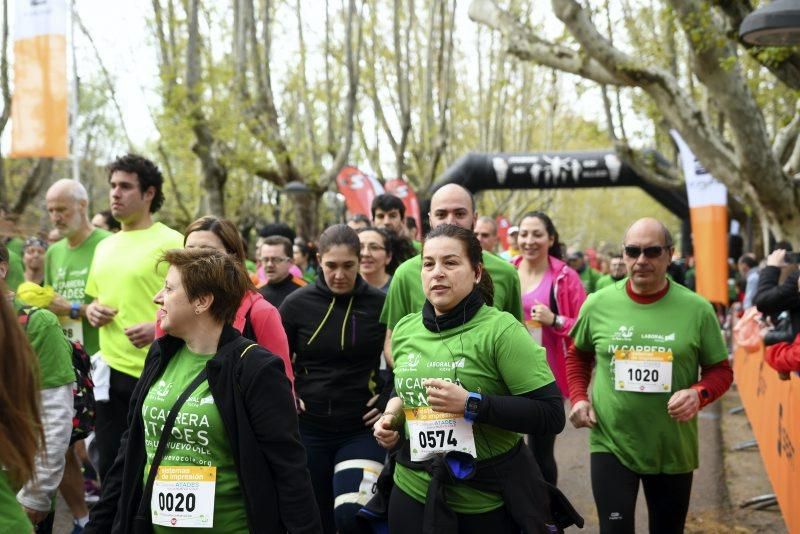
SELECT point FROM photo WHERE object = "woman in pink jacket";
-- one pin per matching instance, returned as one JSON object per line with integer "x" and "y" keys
{"x": 256, "y": 318}
{"x": 552, "y": 295}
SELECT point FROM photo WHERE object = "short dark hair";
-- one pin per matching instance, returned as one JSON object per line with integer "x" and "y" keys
{"x": 146, "y": 172}
{"x": 4, "y": 255}
{"x": 474, "y": 254}
{"x": 361, "y": 218}
{"x": 111, "y": 222}
{"x": 224, "y": 229}
{"x": 288, "y": 248}
{"x": 386, "y": 203}
{"x": 749, "y": 259}
{"x": 411, "y": 223}
{"x": 339, "y": 234}
{"x": 207, "y": 271}
{"x": 278, "y": 228}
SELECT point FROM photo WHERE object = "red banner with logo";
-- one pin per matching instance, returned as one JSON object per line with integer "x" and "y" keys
{"x": 503, "y": 224}
{"x": 359, "y": 189}
{"x": 403, "y": 190}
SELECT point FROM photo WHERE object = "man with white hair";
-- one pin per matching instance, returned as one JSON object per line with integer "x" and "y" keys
{"x": 66, "y": 269}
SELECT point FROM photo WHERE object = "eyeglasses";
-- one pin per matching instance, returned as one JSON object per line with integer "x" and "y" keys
{"x": 276, "y": 260}
{"x": 372, "y": 247}
{"x": 653, "y": 252}
{"x": 483, "y": 234}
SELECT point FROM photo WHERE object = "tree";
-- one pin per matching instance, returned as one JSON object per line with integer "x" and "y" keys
{"x": 715, "y": 106}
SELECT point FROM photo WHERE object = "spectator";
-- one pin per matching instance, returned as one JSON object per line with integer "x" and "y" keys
{"x": 748, "y": 269}
{"x": 276, "y": 256}
{"x": 774, "y": 296}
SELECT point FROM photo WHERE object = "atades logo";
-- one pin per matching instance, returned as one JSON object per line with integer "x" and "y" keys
{"x": 624, "y": 333}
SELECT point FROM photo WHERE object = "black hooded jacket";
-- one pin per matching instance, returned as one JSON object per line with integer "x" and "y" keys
{"x": 337, "y": 342}
{"x": 255, "y": 403}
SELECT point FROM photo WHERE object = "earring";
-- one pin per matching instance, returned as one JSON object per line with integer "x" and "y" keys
{"x": 197, "y": 311}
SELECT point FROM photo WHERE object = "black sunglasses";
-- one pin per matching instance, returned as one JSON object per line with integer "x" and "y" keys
{"x": 653, "y": 252}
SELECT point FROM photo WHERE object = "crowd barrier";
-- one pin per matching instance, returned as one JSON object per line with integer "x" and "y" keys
{"x": 773, "y": 409}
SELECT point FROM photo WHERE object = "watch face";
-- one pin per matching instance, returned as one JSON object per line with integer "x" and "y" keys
{"x": 472, "y": 404}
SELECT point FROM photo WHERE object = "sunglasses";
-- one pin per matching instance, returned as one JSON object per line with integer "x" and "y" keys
{"x": 653, "y": 252}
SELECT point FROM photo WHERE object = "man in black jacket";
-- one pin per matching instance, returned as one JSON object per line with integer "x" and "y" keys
{"x": 774, "y": 297}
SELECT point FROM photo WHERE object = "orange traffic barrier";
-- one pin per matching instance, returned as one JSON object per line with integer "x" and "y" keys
{"x": 773, "y": 409}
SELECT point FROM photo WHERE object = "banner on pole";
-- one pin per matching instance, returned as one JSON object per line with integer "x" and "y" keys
{"x": 708, "y": 213}
{"x": 39, "y": 105}
{"x": 403, "y": 190}
{"x": 359, "y": 189}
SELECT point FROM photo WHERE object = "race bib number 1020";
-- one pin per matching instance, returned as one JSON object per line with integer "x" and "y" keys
{"x": 183, "y": 496}
{"x": 434, "y": 433}
{"x": 643, "y": 371}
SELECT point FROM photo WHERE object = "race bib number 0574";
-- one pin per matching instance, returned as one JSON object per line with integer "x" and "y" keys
{"x": 183, "y": 496}
{"x": 434, "y": 433}
{"x": 643, "y": 371}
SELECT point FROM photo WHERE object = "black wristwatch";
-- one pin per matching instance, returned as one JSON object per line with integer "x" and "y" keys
{"x": 472, "y": 405}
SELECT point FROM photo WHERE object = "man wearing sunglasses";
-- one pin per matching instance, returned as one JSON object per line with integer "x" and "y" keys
{"x": 648, "y": 338}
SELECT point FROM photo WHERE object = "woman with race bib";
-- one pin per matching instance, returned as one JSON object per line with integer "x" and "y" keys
{"x": 552, "y": 295}
{"x": 212, "y": 442}
{"x": 469, "y": 380}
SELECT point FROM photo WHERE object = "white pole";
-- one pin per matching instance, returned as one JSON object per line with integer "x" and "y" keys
{"x": 76, "y": 169}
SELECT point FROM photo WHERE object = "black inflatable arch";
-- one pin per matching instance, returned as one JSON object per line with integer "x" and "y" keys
{"x": 558, "y": 170}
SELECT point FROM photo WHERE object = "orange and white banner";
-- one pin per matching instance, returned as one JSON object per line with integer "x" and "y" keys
{"x": 708, "y": 212}
{"x": 39, "y": 103}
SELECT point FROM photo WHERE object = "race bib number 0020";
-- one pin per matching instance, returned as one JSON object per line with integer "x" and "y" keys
{"x": 434, "y": 433}
{"x": 643, "y": 371}
{"x": 183, "y": 496}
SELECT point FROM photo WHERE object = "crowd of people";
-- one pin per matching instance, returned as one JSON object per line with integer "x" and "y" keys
{"x": 356, "y": 381}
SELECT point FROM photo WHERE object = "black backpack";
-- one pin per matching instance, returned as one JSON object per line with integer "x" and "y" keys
{"x": 83, "y": 392}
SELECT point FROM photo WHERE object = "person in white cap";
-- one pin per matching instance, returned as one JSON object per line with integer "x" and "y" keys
{"x": 512, "y": 251}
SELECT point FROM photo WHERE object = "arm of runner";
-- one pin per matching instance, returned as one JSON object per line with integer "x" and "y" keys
{"x": 99, "y": 315}
{"x": 60, "y": 306}
{"x": 444, "y": 396}
{"x": 684, "y": 404}
{"x": 387, "y": 348}
{"x": 142, "y": 334}
{"x": 579, "y": 375}
{"x": 387, "y": 429}
{"x": 715, "y": 381}
{"x": 537, "y": 412}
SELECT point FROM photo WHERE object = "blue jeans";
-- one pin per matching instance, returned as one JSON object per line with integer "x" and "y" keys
{"x": 344, "y": 468}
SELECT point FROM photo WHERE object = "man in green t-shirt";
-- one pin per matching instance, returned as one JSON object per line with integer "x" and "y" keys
{"x": 66, "y": 269}
{"x": 123, "y": 278}
{"x": 450, "y": 204}
{"x": 589, "y": 276}
{"x": 648, "y": 337}
{"x": 616, "y": 271}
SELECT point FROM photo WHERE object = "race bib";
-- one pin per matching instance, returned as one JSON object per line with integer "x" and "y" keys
{"x": 535, "y": 330}
{"x": 183, "y": 496}
{"x": 643, "y": 371}
{"x": 434, "y": 433}
{"x": 73, "y": 329}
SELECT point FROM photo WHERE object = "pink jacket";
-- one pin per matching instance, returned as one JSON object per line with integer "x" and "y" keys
{"x": 569, "y": 294}
{"x": 267, "y": 326}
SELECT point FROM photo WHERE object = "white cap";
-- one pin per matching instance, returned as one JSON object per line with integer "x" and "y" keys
{"x": 513, "y": 230}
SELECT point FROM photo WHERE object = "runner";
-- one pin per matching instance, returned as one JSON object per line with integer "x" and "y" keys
{"x": 589, "y": 276}
{"x": 256, "y": 319}
{"x": 233, "y": 461}
{"x": 648, "y": 337}
{"x": 33, "y": 258}
{"x": 469, "y": 379}
{"x": 616, "y": 271}
{"x": 336, "y": 339}
{"x": 275, "y": 254}
{"x": 304, "y": 257}
{"x": 66, "y": 269}
{"x": 377, "y": 260}
{"x": 552, "y": 295}
{"x": 451, "y": 204}
{"x": 20, "y": 434}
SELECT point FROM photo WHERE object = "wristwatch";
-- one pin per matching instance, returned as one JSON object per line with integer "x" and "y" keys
{"x": 75, "y": 310}
{"x": 472, "y": 405}
{"x": 558, "y": 322}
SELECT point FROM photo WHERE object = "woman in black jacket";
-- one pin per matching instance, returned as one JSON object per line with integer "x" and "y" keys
{"x": 334, "y": 331}
{"x": 233, "y": 461}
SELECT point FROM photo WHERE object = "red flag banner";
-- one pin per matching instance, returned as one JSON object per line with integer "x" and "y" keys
{"x": 503, "y": 224}
{"x": 359, "y": 189}
{"x": 403, "y": 190}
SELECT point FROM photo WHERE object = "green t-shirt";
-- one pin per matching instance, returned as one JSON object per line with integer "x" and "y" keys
{"x": 16, "y": 270}
{"x": 417, "y": 245}
{"x": 606, "y": 280}
{"x": 635, "y": 426}
{"x": 198, "y": 438}
{"x": 54, "y": 351}
{"x": 66, "y": 269}
{"x": 589, "y": 278}
{"x": 12, "y": 519}
{"x": 125, "y": 276}
{"x": 406, "y": 296}
{"x": 499, "y": 357}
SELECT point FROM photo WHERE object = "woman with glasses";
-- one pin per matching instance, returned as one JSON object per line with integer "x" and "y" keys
{"x": 256, "y": 318}
{"x": 376, "y": 257}
{"x": 552, "y": 295}
{"x": 337, "y": 339}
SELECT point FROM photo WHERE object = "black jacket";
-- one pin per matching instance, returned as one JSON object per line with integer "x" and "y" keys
{"x": 276, "y": 293}
{"x": 773, "y": 298}
{"x": 256, "y": 405}
{"x": 337, "y": 340}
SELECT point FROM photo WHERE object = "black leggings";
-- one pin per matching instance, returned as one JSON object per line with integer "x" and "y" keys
{"x": 615, "y": 488}
{"x": 543, "y": 449}
{"x": 405, "y": 517}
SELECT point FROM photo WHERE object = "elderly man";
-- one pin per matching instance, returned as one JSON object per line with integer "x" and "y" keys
{"x": 616, "y": 271}
{"x": 450, "y": 204}
{"x": 648, "y": 338}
